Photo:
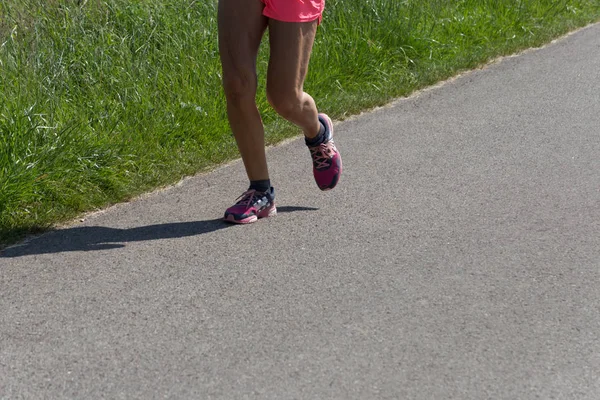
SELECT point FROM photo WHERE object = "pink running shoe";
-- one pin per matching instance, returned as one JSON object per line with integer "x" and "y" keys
{"x": 327, "y": 161}
{"x": 251, "y": 206}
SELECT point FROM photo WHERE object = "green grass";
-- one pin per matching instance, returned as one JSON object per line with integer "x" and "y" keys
{"x": 103, "y": 100}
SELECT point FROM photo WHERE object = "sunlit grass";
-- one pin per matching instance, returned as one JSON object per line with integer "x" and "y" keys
{"x": 102, "y": 100}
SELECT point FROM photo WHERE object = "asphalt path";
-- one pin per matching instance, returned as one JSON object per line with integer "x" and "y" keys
{"x": 459, "y": 258}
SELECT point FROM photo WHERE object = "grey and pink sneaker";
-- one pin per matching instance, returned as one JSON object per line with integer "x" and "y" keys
{"x": 251, "y": 206}
{"x": 327, "y": 162}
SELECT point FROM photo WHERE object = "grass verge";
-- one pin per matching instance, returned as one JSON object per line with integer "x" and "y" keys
{"x": 103, "y": 100}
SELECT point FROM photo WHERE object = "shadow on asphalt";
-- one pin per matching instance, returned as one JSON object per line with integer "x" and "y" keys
{"x": 90, "y": 238}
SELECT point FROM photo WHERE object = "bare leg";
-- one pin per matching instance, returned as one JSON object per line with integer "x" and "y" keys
{"x": 291, "y": 46}
{"x": 241, "y": 27}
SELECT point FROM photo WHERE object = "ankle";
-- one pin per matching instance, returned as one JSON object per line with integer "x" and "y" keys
{"x": 262, "y": 185}
{"x": 317, "y": 140}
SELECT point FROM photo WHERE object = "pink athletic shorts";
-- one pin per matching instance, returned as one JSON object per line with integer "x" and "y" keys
{"x": 294, "y": 10}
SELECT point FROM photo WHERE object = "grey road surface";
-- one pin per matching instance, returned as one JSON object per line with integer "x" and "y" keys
{"x": 459, "y": 258}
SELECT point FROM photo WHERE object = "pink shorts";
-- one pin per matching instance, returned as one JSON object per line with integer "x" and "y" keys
{"x": 294, "y": 10}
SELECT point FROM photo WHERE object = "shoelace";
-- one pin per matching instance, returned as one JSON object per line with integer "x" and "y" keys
{"x": 247, "y": 198}
{"x": 321, "y": 154}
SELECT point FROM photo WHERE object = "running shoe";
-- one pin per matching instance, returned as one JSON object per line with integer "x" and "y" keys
{"x": 251, "y": 206}
{"x": 327, "y": 161}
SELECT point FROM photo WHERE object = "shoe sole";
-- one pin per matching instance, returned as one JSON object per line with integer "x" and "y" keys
{"x": 266, "y": 213}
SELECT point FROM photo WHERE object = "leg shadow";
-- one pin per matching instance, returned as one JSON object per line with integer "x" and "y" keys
{"x": 93, "y": 238}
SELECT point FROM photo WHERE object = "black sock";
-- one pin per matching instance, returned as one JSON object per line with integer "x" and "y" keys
{"x": 261, "y": 186}
{"x": 317, "y": 140}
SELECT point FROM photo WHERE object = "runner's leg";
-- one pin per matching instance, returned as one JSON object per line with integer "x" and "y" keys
{"x": 291, "y": 46}
{"x": 241, "y": 27}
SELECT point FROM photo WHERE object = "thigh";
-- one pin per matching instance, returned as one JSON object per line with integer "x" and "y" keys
{"x": 241, "y": 27}
{"x": 291, "y": 46}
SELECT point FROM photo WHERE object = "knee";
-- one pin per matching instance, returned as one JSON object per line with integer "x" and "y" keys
{"x": 239, "y": 88}
{"x": 285, "y": 102}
